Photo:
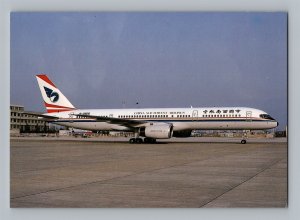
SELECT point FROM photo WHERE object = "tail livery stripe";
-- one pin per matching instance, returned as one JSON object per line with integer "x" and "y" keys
{"x": 54, "y": 100}
{"x": 57, "y": 110}
{"x": 49, "y": 108}
{"x": 54, "y": 106}
{"x": 46, "y": 79}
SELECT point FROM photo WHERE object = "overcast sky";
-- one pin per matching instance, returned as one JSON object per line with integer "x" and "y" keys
{"x": 99, "y": 60}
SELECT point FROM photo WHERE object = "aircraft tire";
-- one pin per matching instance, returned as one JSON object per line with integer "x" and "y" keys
{"x": 243, "y": 141}
{"x": 139, "y": 140}
{"x": 146, "y": 140}
{"x": 153, "y": 141}
{"x": 132, "y": 141}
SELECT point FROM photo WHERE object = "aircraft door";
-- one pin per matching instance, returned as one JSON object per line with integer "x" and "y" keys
{"x": 195, "y": 114}
{"x": 248, "y": 116}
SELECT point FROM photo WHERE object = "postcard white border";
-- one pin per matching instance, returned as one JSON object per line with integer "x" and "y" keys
{"x": 290, "y": 6}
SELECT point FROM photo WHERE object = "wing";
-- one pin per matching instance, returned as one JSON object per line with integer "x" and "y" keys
{"x": 118, "y": 121}
{"x": 46, "y": 117}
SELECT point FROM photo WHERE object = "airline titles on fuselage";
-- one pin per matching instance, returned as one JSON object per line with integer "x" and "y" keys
{"x": 157, "y": 113}
{"x": 142, "y": 114}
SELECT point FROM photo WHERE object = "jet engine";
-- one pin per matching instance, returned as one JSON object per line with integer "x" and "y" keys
{"x": 182, "y": 134}
{"x": 161, "y": 131}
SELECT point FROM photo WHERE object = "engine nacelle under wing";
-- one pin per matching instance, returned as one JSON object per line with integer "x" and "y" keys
{"x": 161, "y": 131}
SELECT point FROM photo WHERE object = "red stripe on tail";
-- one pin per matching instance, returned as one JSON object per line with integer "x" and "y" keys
{"x": 46, "y": 79}
{"x": 56, "y": 106}
{"x": 58, "y": 110}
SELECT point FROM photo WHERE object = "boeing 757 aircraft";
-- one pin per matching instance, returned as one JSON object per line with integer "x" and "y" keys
{"x": 150, "y": 123}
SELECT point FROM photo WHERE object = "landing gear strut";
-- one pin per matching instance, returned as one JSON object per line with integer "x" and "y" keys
{"x": 136, "y": 139}
{"x": 245, "y": 136}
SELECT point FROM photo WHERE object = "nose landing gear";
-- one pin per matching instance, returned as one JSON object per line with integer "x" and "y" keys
{"x": 245, "y": 136}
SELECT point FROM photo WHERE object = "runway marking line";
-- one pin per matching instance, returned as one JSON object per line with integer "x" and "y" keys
{"x": 263, "y": 170}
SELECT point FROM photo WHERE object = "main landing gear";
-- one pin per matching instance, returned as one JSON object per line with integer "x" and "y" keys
{"x": 136, "y": 140}
{"x": 140, "y": 140}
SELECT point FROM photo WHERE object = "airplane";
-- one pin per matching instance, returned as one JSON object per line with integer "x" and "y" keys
{"x": 150, "y": 123}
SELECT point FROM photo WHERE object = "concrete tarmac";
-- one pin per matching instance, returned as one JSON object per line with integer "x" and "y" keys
{"x": 55, "y": 172}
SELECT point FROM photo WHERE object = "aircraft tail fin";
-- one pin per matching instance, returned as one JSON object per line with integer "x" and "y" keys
{"x": 54, "y": 100}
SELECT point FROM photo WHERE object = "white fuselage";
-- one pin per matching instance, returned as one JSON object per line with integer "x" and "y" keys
{"x": 209, "y": 118}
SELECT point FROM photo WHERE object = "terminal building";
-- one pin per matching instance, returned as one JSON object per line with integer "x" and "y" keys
{"x": 22, "y": 123}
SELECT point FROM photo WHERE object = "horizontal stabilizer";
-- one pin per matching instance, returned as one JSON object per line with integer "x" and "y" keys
{"x": 40, "y": 115}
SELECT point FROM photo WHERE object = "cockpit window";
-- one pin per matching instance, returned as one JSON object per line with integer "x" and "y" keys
{"x": 266, "y": 116}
